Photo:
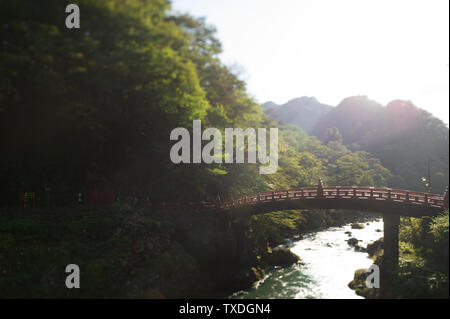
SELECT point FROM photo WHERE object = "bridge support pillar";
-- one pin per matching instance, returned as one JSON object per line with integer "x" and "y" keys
{"x": 240, "y": 227}
{"x": 389, "y": 267}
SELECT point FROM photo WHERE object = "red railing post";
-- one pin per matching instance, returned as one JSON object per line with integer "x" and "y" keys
{"x": 331, "y": 191}
{"x": 320, "y": 188}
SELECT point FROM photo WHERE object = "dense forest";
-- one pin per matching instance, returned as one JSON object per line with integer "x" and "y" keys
{"x": 93, "y": 108}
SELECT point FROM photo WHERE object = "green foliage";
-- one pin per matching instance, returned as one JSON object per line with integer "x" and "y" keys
{"x": 304, "y": 159}
{"x": 121, "y": 253}
{"x": 424, "y": 259}
{"x": 439, "y": 228}
{"x": 84, "y": 108}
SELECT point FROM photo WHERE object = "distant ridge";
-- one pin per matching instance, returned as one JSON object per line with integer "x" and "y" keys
{"x": 303, "y": 112}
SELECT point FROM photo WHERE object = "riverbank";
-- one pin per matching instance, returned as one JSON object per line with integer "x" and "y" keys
{"x": 125, "y": 251}
{"x": 122, "y": 252}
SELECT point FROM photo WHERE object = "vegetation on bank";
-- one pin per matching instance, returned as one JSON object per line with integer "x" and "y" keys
{"x": 125, "y": 251}
{"x": 423, "y": 260}
{"x": 122, "y": 251}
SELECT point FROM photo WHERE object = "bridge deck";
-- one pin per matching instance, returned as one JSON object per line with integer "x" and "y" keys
{"x": 384, "y": 200}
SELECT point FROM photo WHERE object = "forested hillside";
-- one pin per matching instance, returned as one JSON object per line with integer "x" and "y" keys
{"x": 93, "y": 108}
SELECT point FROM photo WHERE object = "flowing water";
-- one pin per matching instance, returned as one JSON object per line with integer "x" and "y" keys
{"x": 328, "y": 265}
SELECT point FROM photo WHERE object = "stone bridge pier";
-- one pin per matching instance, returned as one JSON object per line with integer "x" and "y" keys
{"x": 389, "y": 267}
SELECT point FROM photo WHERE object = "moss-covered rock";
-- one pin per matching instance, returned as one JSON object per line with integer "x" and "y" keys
{"x": 281, "y": 257}
{"x": 358, "y": 284}
{"x": 375, "y": 248}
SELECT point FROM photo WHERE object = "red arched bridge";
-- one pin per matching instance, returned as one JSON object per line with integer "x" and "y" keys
{"x": 371, "y": 199}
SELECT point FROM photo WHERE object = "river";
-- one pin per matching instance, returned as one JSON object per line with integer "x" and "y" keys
{"x": 328, "y": 265}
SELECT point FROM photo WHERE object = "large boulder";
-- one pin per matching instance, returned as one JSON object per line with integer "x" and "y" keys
{"x": 281, "y": 257}
{"x": 357, "y": 226}
{"x": 375, "y": 248}
{"x": 242, "y": 278}
{"x": 353, "y": 241}
{"x": 358, "y": 284}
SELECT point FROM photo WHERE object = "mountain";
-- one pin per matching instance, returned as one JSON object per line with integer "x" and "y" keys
{"x": 269, "y": 106}
{"x": 353, "y": 117}
{"x": 303, "y": 112}
{"x": 404, "y": 137}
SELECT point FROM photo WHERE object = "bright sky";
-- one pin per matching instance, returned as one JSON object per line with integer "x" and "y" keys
{"x": 385, "y": 49}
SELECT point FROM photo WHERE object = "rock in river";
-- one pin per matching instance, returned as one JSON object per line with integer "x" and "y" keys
{"x": 281, "y": 257}
{"x": 357, "y": 226}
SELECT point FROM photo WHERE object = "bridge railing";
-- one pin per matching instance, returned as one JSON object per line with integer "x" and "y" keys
{"x": 324, "y": 192}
